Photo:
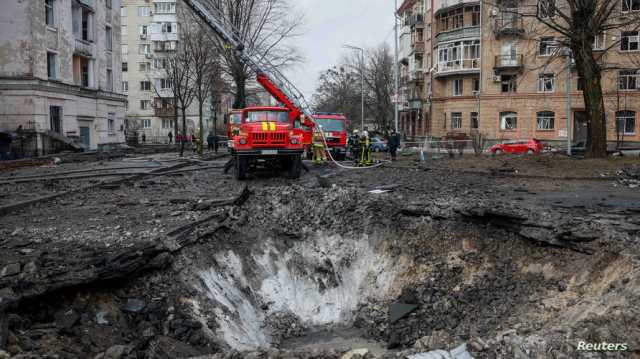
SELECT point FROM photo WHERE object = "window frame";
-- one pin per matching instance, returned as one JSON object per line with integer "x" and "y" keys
{"x": 109, "y": 80}
{"x": 108, "y": 34}
{"x": 504, "y": 116}
{"x": 511, "y": 83}
{"x": 543, "y": 80}
{"x": 50, "y": 13}
{"x": 630, "y": 76}
{"x": 145, "y": 85}
{"x": 456, "y": 120}
{"x": 52, "y": 68}
{"x": 457, "y": 88}
{"x": 626, "y": 116}
{"x": 547, "y": 47}
{"x": 146, "y": 122}
{"x": 145, "y": 104}
{"x": 624, "y": 39}
{"x": 629, "y": 6}
{"x": 549, "y": 117}
{"x": 123, "y": 11}
{"x": 474, "y": 120}
{"x": 142, "y": 12}
{"x": 546, "y": 9}
{"x": 125, "y": 86}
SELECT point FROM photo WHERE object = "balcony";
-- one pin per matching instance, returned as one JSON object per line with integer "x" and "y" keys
{"x": 463, "y": 33}
{"x": 416, "y": 76}
{"x": 508, "y": 24}
{"x": 457, "y": 67}
{"x": 416, "y": 20}
{"x": 508, "y": 63}
{"x": 83, "y": 48}
{"x": 418, "y": 47}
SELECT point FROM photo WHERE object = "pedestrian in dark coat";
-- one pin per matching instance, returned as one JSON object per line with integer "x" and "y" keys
{"x": 394, "y": 144}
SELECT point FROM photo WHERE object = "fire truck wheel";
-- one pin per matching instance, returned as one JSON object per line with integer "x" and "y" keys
{"x": 241, "y": 167}
{"x": 295, "y": 167}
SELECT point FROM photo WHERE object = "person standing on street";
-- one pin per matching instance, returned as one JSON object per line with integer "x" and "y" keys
{"x": 319, "y": 155}
{"x": 394, "y": 144}
{"x": 210, "y": 141}
{"x": 170, "y": 135}
{"x": 354, "y": 146}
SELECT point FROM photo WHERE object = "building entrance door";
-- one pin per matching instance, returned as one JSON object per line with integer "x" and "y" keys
{"x": 579, "y": 127}
{"x": 85, "y": 136}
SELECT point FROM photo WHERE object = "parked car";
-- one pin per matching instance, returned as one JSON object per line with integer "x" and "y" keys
{"x": 378, "y": 145}
{"x": 531, "y": 147}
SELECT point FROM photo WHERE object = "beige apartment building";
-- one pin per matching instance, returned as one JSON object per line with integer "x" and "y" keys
{"x": 60, "y": 78}
{"x": 151, "y": 30}
{"x": 502, "y": 75}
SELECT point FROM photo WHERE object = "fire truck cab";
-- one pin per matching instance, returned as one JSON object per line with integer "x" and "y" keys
{"x": 233, "y": 122}
{"x": 334, "y": 126}
{"x": 266, "y": 137}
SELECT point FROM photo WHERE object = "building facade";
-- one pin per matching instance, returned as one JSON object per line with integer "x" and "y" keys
{"x": 60, "y": 79}
{"x": 500, "y": 74}
{"x": 151, "y": 34}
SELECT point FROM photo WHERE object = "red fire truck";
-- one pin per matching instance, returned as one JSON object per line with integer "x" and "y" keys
{"x": 265, "y": 137}
{"x": 334, "y": 126}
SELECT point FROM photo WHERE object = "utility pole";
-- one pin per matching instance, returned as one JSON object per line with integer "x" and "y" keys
{"x": 396, "y": 77}
{"x": 361, "y": 80}
{"x": 568, "y": 89}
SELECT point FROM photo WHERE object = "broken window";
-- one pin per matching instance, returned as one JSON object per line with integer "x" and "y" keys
{"x": 629, "y": 41}
{"x": 109, "y": 80}
{"x": 457, "y": 87}
{"x": 629, "y": 80}
{"x": 51, "y": 65}
{"x": 49, "y": 15}
{"x": 474, "y": 120}
{"x": 546, "y": 8}
{"x": 145, "y": 105}
{"x": 109, "y": 38}
{"x": 145, "y": 86}
{"x": 630, "y": 5}
{"x": 125, "y": 66}
{"x": 55, "y": 118}
{"x": 456, "y": 120}
{"x": 508, "y": 121}
{"x": 546, "y": 82}
{"x": 547, "y": 46}
{"x": 599, "y": 41}
{"x": 626, "y": 122}
{"x": 476, "y": 86}
{"x": 545, "y": 120}
{"x": 508, "y": 83}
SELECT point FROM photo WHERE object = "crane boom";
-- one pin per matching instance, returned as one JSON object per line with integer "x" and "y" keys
{"x": 268, "y": 76}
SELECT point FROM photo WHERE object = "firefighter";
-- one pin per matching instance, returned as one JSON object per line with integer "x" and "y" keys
{"x": 354, "y": 146}
{"x": 319, "y": 154}
{"x": 365, "y": 149}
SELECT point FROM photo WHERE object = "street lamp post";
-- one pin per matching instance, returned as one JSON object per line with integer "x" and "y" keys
{"x": 396, "y": 74}
{"x": 361, "y": 80}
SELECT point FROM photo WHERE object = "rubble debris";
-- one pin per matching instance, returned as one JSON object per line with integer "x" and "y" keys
{"x": 134, "y": 305}
{"x": 400, "y": 310}
{"x": 355, "y": 354}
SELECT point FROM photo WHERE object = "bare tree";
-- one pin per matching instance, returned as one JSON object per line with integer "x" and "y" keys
{"x": 266, "y": 27}
{"x": 338, "y": 91}
{"x": 205, "y": 61}
{"x": 579, "y": 25}
{"x": 378, "y": 78}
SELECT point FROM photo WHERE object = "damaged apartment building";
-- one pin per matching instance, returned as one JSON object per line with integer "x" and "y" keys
{"x": 470, "y": 66}
{"x": 60, "y": 76}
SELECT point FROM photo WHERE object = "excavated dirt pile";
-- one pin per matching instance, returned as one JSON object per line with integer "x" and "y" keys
{"x": 298, "y": 270}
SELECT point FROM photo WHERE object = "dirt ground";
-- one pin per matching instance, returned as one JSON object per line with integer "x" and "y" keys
{"x": 515, "y": 257}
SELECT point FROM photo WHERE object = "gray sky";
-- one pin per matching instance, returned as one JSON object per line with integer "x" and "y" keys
{"x": 331, "y": 23}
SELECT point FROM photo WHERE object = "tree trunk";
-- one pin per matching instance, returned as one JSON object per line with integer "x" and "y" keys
{"x": 175, "y": 122}
{"x": 240, "y": 100}
{"x": 184, "y": 130}
{"x": 200, "y": 124}
{"x": 591, "y": 74}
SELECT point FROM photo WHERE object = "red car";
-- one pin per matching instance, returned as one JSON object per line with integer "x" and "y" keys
{"x": 518, "y": 147}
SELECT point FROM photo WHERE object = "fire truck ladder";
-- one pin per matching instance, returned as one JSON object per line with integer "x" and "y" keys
{"x": 267, "y": 74}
